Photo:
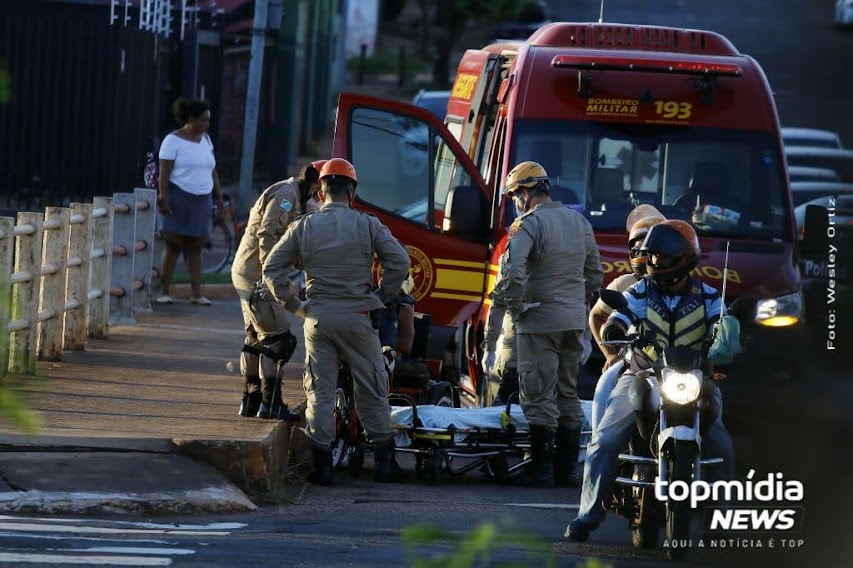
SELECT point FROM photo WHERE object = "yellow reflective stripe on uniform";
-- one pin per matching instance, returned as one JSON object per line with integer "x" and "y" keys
{"x": 657, "y": 321}
{"x": 690, "y": 319}
{"x": 694, "y": 336}
{"x": 462, "y": 280}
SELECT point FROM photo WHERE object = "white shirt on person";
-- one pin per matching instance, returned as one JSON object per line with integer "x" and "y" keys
{"x": 194, "y": 163}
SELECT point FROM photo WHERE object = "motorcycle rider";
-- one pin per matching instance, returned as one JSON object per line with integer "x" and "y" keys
{"x": 680, "y": 311}
{"x": 552, "y": 268}
{"x": 600, "y": 311}
{"x": 269, "y": 344}
{"x": 637, "y": 227}
{"x": 335, "y": 246}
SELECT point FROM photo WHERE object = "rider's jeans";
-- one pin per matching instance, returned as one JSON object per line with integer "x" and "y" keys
{"x": 611, "y": 438}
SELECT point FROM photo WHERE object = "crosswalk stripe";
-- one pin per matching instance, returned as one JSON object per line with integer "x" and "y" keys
{"x": 208, "y": 526}
{"x": 41, "y": 558}
{"x": 111, "y": 542}
{"x": 544, "y": 505}
{"x": 129, "y": 550}
{"x": 103, "y": 530}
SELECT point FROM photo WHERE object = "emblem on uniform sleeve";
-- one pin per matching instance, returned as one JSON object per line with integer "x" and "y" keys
{"x": 513, "y": 229}
{"x": 286, "y": 205}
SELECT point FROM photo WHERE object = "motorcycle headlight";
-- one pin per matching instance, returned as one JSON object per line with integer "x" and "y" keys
{"x": 783, "y": 311}
{"x": 681, "y": 388}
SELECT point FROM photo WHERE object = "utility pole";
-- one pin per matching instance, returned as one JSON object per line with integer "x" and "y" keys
{"x": 253, "y": 93}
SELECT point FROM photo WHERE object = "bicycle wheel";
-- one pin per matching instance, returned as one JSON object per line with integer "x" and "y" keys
{"x": 216, "y": 252}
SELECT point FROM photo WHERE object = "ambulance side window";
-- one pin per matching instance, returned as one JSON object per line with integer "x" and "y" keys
{"x": 394, "y": 157}
{"x": 403, "y": 166}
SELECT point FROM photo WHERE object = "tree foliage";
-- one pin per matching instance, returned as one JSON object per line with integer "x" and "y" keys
{"x": 450, "y": 19}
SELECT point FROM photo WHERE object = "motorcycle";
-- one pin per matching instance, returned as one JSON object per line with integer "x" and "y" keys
{"x": 672, "y": 410}
{"x": 410, "y": 382}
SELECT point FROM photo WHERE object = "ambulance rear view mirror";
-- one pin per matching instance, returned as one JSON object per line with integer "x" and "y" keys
{"x": 815, "y": 225}
{"x": 466, "y": 213}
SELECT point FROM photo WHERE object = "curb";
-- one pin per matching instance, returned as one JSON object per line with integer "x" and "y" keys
{"x": 212, "y": 499}
{"x": 263, "y": 470}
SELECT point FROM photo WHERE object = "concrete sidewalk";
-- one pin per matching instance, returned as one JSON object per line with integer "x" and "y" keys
{"x": 146, "y": 420}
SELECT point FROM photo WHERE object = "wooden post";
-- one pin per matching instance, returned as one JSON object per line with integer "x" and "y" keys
{"x": 25, "y": 295}
{"x": 53, "y": 285}
{"x": 124, "y": 241}
{"x": 7, "y": 242}
{"x": 77, "y": 292}
{"x": 101, "y": 269}
{"x": 143, "y": 260}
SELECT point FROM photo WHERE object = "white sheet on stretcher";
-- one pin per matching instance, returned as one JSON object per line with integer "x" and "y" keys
{"x": 442, "y": 417}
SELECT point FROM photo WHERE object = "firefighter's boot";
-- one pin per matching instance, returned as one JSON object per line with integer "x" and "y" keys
{"x": 566, "y": 452}
{"x": 386, "y": 469}
{"x": 539, "y": 472}
{"x": 322, "y": 474}
{"x": 249, "y": 366}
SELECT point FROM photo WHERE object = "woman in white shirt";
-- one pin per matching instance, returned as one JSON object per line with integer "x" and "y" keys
{"x": 187, "y": 180}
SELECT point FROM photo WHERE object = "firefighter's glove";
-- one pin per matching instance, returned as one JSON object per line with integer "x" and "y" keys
{"x": 260, "y": 292}
{"x": 530, "y": 306}
{"x": 489, "y": 358}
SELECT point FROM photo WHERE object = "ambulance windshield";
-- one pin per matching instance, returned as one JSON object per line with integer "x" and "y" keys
{"x": 728, "y": 183}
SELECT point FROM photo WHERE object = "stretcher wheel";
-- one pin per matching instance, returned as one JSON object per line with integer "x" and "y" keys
{"x": 498, "y": 467}
{"x": 430, "y": 471}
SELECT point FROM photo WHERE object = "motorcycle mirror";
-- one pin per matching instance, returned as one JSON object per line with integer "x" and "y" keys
{"x": 613, "y": 298}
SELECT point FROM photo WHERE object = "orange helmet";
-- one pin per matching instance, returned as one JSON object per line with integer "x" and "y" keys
{"x": 318, "y": 164}
{"x": 673, "y": 250}
{"x": 636, "y": 236}
{"x": 639, "y": 212}
{"x": 338, "y": 167}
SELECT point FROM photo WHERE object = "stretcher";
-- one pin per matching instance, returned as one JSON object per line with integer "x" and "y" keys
{"x": 454, "y": 441}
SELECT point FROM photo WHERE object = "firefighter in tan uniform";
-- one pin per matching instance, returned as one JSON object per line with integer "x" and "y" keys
{"x": 553, "y": 269}
{"x": 335, "y": 246}
{"x": 269, "y": 344}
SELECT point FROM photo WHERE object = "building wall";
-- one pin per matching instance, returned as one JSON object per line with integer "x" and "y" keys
{"x": 85, "y": 102}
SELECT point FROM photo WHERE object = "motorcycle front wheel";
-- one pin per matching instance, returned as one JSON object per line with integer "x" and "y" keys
{"x": 646, "y": 530}
{"x": 681, "y": 459}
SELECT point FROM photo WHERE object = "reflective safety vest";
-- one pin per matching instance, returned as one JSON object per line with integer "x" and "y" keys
{"x": 684, "y": 325}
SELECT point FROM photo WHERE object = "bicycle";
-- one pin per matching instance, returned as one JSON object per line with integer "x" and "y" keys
{"x": 225, "y": 234}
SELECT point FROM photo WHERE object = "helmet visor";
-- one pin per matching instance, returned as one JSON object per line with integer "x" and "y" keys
{"x": 662, "y": 262}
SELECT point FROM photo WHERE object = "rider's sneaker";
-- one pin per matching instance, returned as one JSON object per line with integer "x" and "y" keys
{"x": 278, "y": 411}
{"x": 578, "y": 531}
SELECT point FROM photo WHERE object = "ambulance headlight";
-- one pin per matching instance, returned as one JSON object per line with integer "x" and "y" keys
{"x": 782, "y": 311}
{"x": 681, "y": 388}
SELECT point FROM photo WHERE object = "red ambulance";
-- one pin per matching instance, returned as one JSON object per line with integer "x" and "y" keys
{"x": 618, "y": 115}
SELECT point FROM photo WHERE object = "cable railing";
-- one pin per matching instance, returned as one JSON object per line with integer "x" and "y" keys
{"x": 69, "y": 273}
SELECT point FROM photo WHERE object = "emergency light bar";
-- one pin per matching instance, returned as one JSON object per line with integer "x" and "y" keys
{"x": 605, "y": 63}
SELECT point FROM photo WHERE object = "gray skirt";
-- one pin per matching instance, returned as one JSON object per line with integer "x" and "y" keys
{"x": 191, "y": 214}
